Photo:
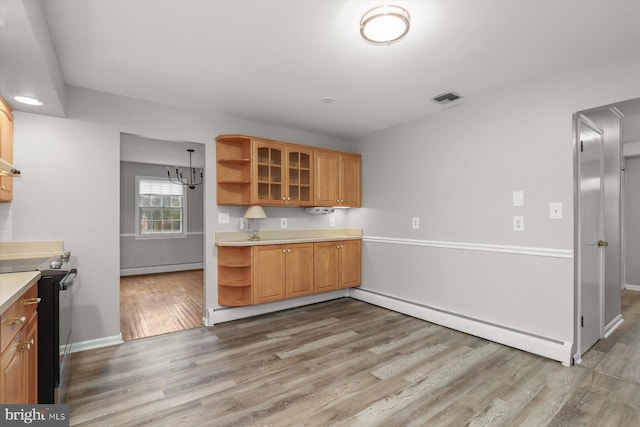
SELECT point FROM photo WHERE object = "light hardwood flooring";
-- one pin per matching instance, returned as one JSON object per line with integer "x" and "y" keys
{"x": 155, "y": 304}
{"x": 348, "y": 363}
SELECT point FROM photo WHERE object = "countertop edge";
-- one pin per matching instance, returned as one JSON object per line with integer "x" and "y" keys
{"x": 16, "y": 285}
{"x": 286, "y": 241}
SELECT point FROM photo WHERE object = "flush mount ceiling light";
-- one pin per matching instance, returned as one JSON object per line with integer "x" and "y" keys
{"x": 28, "y": 100}
{"x": 384, "y": 25}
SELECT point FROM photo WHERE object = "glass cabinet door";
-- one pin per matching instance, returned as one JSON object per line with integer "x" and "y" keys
{"x": 299, "y": 183}
{"x": 269, "y": 176}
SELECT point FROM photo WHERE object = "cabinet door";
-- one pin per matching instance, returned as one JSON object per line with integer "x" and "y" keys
{"x": 350, "y": 189}
{"x": 268, "y": 173}
{"x": 326, "y": 266}
{"x": 30, "y": 355}
{"x": 269, "y": 272}
{"x": 350, "y": 263}
{"x": 299, "y": 176}
{"x": 299, "y": 270}
{"x": 6, "y": 149}
{"x": 326, "y": 178}
{"x": 12, "y": 373}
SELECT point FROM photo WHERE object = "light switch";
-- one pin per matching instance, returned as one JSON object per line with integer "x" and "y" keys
{"x": 223, "y": 218}
{"x": 332, "y": 221}
{"x": 415, "y": 222}
{"x": 555, "y": 210}
{"x": 518, "y": 223}
{"x": 518, "y": 198}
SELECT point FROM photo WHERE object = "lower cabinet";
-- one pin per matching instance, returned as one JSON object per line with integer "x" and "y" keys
{"x": 282, "y": 271}
{"x": 257, "y": 274}
{"x": 337, "y": 265}
{"x": 19, "y": 357}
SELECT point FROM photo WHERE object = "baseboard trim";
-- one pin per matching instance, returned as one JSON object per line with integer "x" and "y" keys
{"x": 97, "y": 343}
{"x": 632, "y": 287}
{"x": 613, "y": 325}
{"x": 134, "y": 271}
{"x": 226, "y": 314}
{"x": 519, "y": 250}
{"x": 543, "y": 346}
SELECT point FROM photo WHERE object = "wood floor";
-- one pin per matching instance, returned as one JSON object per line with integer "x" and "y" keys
{"x": 348, "y": 363}
{"x": 155, "y": 304}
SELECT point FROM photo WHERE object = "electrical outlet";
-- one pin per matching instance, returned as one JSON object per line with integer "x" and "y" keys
{"x": 518, "y": 223}
{"x": 555, "y": 210}
{"x": 415, "y": 222}
{"x": 332, "y": 221}
{"x": 244, "y": 224}
{"x": 283, "y": 222}
{"x": 223, "y": 218}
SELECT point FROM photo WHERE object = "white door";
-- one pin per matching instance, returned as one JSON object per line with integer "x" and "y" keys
{"x": 590, "y": 146}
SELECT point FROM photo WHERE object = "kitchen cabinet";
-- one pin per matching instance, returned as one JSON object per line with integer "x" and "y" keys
{"x": 6, "y": 149}
{"x": 258, "y": 171}
{"x": 234, "y": 275}
{"x": 19, "y": 350}
{"x": 337, "y": 178}
{"x": 282, "y": 271}
{"x": 337, "y": 265}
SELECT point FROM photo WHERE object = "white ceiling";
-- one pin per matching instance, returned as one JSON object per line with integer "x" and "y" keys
{"x": 273, "y": 60}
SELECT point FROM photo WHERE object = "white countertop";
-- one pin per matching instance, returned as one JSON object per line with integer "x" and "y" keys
{"x": 13, "y": 285}
{"x": 283, "y": 237}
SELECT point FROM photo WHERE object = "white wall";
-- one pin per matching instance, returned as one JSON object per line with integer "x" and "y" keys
{"x": 70, "y": 188}
{"x": 457, "y": 171}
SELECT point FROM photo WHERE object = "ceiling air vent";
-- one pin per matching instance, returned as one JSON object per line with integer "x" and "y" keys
{"x": 446, "y": 98}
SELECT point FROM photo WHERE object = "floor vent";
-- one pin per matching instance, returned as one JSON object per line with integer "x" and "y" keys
{"x": 446, "y": 98}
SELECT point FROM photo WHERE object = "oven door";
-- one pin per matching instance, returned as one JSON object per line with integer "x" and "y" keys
{"x": 64, "y": 329}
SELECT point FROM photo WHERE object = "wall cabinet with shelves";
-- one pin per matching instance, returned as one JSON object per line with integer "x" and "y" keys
{"x": 265, "y": 172}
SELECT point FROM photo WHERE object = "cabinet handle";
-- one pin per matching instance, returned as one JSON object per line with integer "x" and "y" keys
{"x": 288, "y": 198}
{"x": 32, "y": 301}
{"x": 337, "y": 246}
{"x": 15, "y": 321}
{"x": 284, "y": 251}
{"x": 289, "y": 250}
{"x": 284, "y": 198}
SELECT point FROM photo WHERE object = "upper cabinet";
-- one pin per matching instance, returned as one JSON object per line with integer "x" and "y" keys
{"x": 338, "y": 177}
{"x": 257, "y": 171}
{"x": 6, "y": 149}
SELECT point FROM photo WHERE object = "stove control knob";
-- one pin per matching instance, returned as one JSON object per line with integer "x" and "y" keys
{"x": 55, "y": 264}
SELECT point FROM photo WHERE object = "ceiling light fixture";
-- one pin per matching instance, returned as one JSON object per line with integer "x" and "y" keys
{"x": 28, "y": 100}
{"x": 384, "y": 25}
{"x": 190, "y": 181}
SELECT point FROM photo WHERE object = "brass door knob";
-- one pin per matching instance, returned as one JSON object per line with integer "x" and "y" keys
{"x": 602, "y": 243}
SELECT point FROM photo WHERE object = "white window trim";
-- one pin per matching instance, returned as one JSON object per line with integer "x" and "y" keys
{"x": 139, "y": 236}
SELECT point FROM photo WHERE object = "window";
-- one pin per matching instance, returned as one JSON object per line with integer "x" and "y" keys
{"x": 160, "y": 208}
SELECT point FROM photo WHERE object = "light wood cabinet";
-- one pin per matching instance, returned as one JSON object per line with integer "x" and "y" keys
{"x": 282, "y": 271}
{"x": 6, "y": 149}
{"x": 258, "y": 171}
{"x": 234, "y": 275}
{"x": 264, "y": 273}
{"x": 337, "y": 265}
{"x": 337, "y": 177}
{"x": 19, "y": 351}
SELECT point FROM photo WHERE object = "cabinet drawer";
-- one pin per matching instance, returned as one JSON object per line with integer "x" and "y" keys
{"x": 17, "y": 316}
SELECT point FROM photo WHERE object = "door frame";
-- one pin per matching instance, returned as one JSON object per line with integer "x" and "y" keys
{"x": 578, "y": 235}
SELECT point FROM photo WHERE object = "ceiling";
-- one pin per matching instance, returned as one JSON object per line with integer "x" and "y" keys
{"x": 272, "y": 61}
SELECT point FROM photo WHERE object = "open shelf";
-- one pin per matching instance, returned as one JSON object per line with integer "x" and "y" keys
{"x": 234, "y": 275}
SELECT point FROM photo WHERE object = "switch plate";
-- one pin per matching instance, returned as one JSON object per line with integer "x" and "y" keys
{"x": 555, "y": 210}
{"x": 332, "y": 221}
{"x": 283, "y": 222}
{"x": 244, "y": 224}
{"x": 518, "y": 198}
{"x": 518, "y": 223}
{"x": 223, "y": 218}
{"x": 415, "y": 222}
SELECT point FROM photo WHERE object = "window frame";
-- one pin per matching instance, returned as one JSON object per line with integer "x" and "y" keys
{"x": 138, "y": 234}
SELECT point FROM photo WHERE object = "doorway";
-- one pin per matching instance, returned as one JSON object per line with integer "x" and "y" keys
{"x": 161, "y": 237}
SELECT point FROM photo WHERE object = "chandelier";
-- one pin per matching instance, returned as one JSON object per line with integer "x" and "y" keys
{"x": 190, "y": 181}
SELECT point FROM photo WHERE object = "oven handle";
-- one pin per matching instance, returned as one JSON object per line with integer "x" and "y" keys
{"x": 68, "y": 279}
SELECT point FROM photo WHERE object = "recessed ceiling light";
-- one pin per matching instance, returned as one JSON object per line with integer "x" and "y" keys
{"x": 28, "y": 100}
{"x": 384, "y": 25}
{"x": 327, "y": 100}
